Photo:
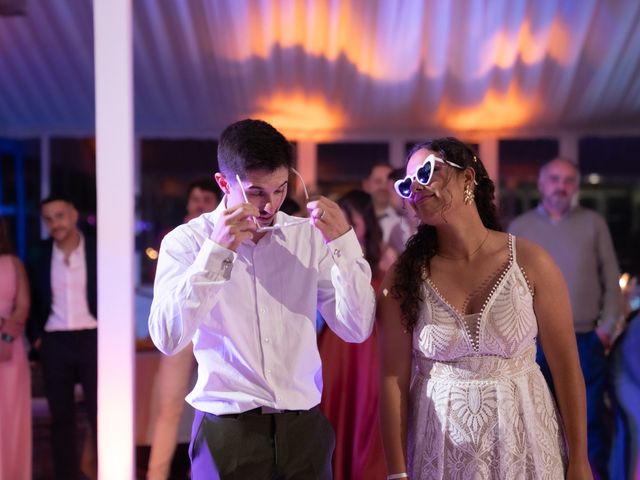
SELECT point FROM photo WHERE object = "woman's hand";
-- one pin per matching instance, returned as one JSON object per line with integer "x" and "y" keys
{"x": 6, "y": 349}
{"x": 579, "y": 470}
{"x": 13, "y": 328}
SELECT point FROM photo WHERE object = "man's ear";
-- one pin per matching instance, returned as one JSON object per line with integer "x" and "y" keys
{"x": 223, "y": 183}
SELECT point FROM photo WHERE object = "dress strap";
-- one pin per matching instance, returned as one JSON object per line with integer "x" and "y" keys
{"x": 512, "y": 248}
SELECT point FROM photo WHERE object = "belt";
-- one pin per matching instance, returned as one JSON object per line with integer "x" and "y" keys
{"x": 269, "y": 410}
{"x": 265, "y": 411}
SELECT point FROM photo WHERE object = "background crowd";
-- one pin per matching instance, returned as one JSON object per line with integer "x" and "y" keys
{"x": 54, "y": 306}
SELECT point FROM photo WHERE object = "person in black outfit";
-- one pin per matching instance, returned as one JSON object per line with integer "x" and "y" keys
{"x": 62, "y": 327}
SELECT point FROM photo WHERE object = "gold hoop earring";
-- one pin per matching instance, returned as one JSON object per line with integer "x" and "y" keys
{"x": 468, "y": 195}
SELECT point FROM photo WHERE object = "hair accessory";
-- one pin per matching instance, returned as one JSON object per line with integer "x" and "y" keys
{"x": 467, "y": 194}
{"x": 395, "y": 476}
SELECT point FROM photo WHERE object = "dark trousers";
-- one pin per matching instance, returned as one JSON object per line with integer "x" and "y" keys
{"x": 294, "y": 445}
{"x": 69, "y": 358}
{"x": 594, "y": 368}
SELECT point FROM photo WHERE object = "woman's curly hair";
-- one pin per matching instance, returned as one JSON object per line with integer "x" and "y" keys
{"x": 422, "y": 246}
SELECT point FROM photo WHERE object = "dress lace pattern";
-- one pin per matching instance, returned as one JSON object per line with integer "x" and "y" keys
{"x": 480, "y": 408}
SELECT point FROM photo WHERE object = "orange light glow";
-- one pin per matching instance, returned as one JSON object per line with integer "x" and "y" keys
{"x": 333, "y": 31}
{"x": 562, "y": 47}
{"x": 624, "y": 281}
{"x": 525, "y": 45}
{"x": 505, "y": 48}
{"x": 300, "y": 115}
{"x": 532, "y": 45}
{"x": 320, "y": 32}
{"x": 496, "y": 111}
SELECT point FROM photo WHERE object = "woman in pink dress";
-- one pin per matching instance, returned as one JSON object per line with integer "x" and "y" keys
{"x": 15, "y": 379}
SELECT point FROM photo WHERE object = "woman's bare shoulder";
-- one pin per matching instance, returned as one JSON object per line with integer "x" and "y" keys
{"x": 533, "y": 258}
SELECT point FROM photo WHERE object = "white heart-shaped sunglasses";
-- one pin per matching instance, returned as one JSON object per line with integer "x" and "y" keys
{"x": 423, "y": 175}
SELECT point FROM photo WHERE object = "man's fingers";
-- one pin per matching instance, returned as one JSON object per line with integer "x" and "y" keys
{"x": 317, "y": 213}
{"x": 242, "y": 235}
{"x": 324, "y": 209}
{"x": 312, "y": 205}
{"x": 242, "y": 210}
{"x": 242, "y": 226}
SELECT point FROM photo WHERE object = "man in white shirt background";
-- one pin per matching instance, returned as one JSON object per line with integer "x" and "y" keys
{"x": 396, "y": 230}
{"x": 62, "y": 327}
{"x": 243, "y": 283}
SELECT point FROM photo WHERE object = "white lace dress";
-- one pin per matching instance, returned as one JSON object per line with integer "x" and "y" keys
{"x": 480, "y": 408}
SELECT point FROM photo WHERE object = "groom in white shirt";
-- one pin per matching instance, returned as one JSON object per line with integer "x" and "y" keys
{"x": 244, "y": 283}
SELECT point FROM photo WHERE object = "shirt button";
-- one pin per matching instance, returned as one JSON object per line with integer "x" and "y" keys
{"x": 263, "y": 310}
{"x": 266, "y": 340}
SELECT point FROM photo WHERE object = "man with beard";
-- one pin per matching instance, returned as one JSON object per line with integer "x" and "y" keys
{"x": 580, "y": 243}
{"x": 62, "y": 326}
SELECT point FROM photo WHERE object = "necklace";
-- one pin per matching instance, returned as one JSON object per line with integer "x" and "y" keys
{"x": 484, "y": 240}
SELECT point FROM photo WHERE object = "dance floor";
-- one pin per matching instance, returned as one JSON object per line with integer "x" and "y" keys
{"x": 146, "y": 368}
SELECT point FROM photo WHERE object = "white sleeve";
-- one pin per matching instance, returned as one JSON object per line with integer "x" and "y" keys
{"x": 345, "y": 297}
{"x": 189, "y": 278}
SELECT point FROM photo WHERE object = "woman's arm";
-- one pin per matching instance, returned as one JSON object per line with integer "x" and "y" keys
{"x": 557, "y": 337}
{"x": 14, "y": 323}
{"x": 395, "y": 375}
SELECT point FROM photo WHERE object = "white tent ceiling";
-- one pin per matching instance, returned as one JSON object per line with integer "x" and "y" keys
{"x": 317, "y": 67}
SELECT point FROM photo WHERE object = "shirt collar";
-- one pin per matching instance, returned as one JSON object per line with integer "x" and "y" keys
{"x": 214, "y": 215}
{"x": 387, "y": 212}
{"x": 544, "y": 214}
{"x": 57, "y": 252}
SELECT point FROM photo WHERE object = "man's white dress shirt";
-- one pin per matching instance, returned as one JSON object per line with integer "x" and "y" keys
{"x": 395, "y": 229}
{"x": 251, "y": 314}
{"x": 69, "y": 306}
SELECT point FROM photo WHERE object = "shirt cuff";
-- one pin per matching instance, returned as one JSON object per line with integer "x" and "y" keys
{"x": 215, "y": 261}
{"x": 345, "y": 248}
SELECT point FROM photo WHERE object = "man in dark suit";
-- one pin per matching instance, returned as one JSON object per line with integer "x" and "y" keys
{"x": 63, "y": 326}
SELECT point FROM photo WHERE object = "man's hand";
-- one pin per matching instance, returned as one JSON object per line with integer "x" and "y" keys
{"x": 605, "y": 339}
{"x": 328, "y": 217}
{"x": 235, "y": 225}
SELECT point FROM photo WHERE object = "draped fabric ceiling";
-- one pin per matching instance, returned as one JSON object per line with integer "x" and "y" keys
{"x": 318, "y": 67}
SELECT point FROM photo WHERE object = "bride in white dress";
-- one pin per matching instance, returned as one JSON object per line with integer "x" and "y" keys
{"x": 458, "y": 321}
